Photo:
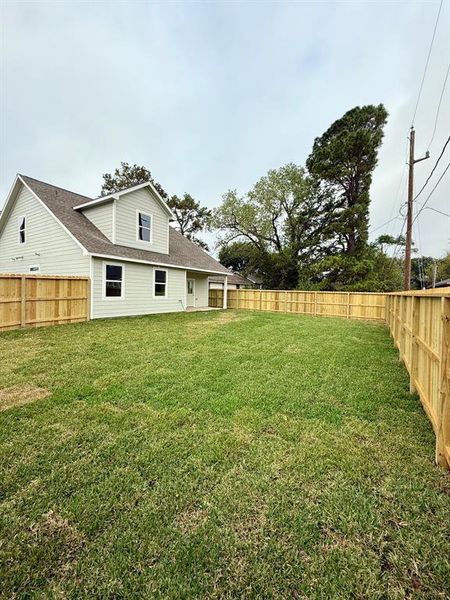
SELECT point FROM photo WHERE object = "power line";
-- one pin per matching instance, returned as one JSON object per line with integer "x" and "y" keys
{"x": 431, "y": 193}
{"x": 437, "y": 211}
{"x": 433, "y": 169}
{"x": 398, "y": 245}
{"x": 384, "y": 224}
{"x": 439, "y": 106}
{"x": 427, "y": 62}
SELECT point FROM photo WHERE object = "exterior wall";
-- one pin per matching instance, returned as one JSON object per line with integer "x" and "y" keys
{"x": 102, "y": 217}
{"x": 137, "y": 290}
{"x": 47, "y": 244}
{"x": 126, "y": 221}
{"x": 201, "y": 288}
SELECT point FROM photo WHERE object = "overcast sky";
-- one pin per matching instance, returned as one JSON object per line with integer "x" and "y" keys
{"x": 210, "y": 95}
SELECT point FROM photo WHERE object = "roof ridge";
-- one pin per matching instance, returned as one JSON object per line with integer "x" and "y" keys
{"x": 55, "y": 186}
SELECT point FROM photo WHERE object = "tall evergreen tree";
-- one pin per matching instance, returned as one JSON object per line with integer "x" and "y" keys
{"x": 342, "y": 160}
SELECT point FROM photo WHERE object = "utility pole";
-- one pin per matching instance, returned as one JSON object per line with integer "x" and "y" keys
{"x": 409, "y": 216}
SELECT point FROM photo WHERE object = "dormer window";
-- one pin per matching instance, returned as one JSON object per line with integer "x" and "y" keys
{"x": 22, "y": 229}
{"x": 144, "y": 227}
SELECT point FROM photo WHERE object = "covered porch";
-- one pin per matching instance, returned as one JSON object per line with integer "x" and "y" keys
{"x": 197, "y": 291}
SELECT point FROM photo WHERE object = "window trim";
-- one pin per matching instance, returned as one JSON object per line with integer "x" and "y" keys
{"x": 166, "y": 295}
{"x": 19, "y": 218}
{"x": 147, "y": 214}
{"x": 122, "y": 289}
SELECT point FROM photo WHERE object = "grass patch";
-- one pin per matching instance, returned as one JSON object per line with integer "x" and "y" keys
{"x": 217, "y": 455}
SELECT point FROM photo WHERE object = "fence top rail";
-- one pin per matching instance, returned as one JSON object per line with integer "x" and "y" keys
{"x": 432, "y": 293}
{"x": 32, "y": 276}
{"x": 308, "y": 292}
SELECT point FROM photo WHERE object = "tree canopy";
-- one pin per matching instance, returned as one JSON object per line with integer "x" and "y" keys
{"x": 283, "y": 217}
{"x": 191, "y": 218}
{"x": 127, "y": 176}
{"x": 343, "y": 160}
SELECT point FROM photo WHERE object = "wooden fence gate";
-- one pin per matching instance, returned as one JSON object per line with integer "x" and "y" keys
{"x": 38, "y": 300}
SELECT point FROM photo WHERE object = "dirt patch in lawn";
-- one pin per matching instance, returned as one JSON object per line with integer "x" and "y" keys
{"x": 21, "y": 394}
{"x": 191, "y": 519}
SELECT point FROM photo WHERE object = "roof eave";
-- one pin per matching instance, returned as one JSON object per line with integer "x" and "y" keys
{"x": 155, "y": 262}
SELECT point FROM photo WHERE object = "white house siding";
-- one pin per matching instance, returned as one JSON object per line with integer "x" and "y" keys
{"x": 127, "y": 207}
{"x": 47, "y": 244}
{"x": 102, "y": 217}
{"x": 201, "y": 288}
{"x": 137, "y": 290}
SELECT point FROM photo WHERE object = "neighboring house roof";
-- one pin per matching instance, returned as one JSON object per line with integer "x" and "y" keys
{"x": 443, "y": 283}
{"x": 233, "y": 278}
{"x": 256, "y": 279}
{"x": 61, "y": 202}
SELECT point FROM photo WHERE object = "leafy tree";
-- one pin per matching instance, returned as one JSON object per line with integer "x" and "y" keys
{"x": 241, "y": 257}
{"x": 191, "y": 218}
{"x": 389, "y": 240}
{"x": 372, "y": 272}
{"x": 128, "y": 176}
{"x": 443, "y": 268}
{"x": 342, "y": 160}
{"x": 283, "y": 217}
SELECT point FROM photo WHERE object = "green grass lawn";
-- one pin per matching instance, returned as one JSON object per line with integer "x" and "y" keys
{"x": 216, "y": 455}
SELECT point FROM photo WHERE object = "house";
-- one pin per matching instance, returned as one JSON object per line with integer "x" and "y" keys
{"x": 235, "y": 282}
{"x": 443, "y": 283}
{"x": 137, "y": 263}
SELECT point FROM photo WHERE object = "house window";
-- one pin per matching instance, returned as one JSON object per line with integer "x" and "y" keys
{"x": 144, "y": 227}
{"x": 113, "y": 281}
{"x": 190, "y": 286}
{"x": 160, "y": 283}
{"x": 22, "y": 227}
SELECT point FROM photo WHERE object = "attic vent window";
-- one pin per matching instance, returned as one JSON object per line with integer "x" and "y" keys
{"x": 144, "y": 227}
{"x": 22, "y": 228}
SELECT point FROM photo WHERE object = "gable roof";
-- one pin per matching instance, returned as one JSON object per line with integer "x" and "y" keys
{"x": 61, "y": 202}
{"x": 134, "y": 188}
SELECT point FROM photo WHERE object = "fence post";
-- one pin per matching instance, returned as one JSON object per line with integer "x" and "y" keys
{"x": 348, "y": 305}
{"x": 285, "y": 301}
{"x": 23, "y": 301}
{"x": 414, "y": 326}
{"x": 315, "y": 304}
{"x": 443, "y": 416}
{"x": 260, "y": 299}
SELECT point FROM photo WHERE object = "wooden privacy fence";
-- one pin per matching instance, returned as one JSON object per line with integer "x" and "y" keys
{"x": 351, "y": 305}
{"x": 419, "y": 322}
{"x": 37, "y": 300}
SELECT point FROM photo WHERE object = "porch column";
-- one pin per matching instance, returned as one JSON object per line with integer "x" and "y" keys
{"x": 225, "y": 292}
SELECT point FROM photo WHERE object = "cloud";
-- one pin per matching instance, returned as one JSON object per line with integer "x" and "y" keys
{"x": 210, "y": 96}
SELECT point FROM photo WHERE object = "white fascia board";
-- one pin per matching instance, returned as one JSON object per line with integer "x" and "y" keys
{"x": 155, "y": 263}
{"x": 9, "y": 201}
{"x": 93, "y": 202}
{"x": 85, "y": 252}
{"x": 127, "y": 191}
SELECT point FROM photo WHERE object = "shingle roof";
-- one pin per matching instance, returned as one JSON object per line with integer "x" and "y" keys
{"x": 233, "y": 278}
{"x": 182, "y": 252}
